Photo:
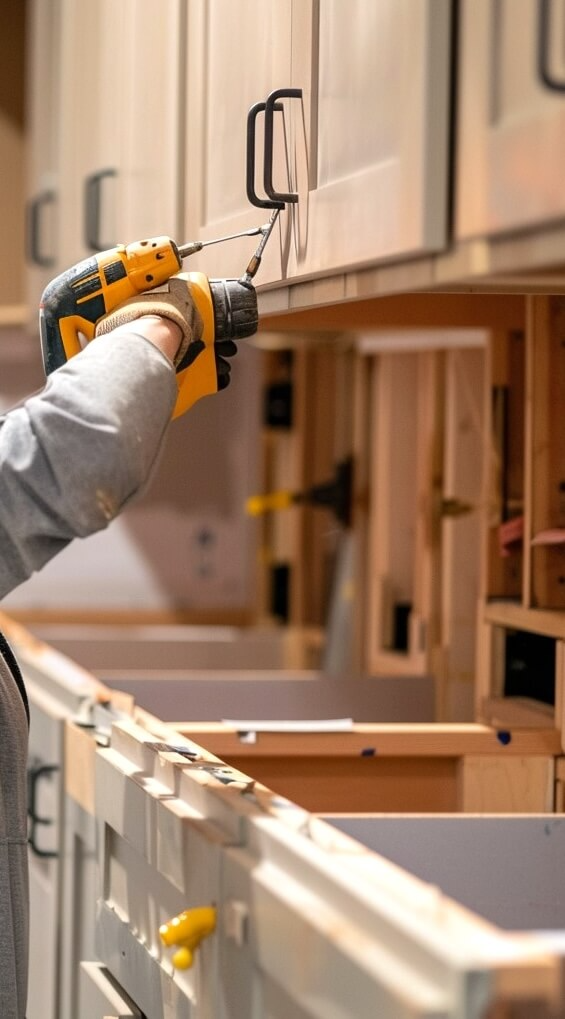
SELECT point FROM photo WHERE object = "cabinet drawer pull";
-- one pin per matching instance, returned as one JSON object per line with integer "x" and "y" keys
{"x": 261, "y": 203}
{"x": 544, "y": 69}
{"x": 33, "y": 229}
{"x": 271, "y": 105}
{"x": 35, "y": 773}
{"x": 93, "y": 209}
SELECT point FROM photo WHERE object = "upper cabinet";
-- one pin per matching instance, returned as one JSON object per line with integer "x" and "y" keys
{"x": 12, "y": 142}
{"x": 105, "y": 129}
{"x": 511, "y": 116}
{"x": 370, "y": 154}
{"x": 362, "y": 140}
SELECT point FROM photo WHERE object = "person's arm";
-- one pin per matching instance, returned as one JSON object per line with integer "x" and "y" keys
{"x": 73, "y": 455}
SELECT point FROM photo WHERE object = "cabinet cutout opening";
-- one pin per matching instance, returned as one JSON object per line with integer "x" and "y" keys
{"x": 529, "y": 666}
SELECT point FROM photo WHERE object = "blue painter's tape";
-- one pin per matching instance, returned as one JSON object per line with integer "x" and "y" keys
{"x": 504, "y": 737}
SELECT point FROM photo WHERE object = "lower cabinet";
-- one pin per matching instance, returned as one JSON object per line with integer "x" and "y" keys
{"x": 314, "y": 915}
{"x": 189, "y": 890}
{"x": 57, "y": 691}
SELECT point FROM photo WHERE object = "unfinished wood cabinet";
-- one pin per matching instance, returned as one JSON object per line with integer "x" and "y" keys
{"x": 522, "y": 617}
{"x": 395, "y": 767}
{"x": 424, "y": 536}
{"x": 307, "y": 449}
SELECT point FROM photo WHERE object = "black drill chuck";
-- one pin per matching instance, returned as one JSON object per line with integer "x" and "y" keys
{"x": 235, "y": 309}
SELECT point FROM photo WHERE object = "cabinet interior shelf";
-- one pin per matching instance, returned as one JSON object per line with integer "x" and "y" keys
{"x": 512, "y": 615}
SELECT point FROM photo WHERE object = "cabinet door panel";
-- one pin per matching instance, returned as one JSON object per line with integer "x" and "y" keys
{"x": 42, "y": 78}
{"x": 237, "y": 54}
{"x": 511, "y": 140}
{"x": 375, "y": 83}
{"x": 92, "y": 74}
{"x": 150, "y": 149}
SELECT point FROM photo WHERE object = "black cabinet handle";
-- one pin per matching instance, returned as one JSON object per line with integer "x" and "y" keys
{"x": 93, "y": 209}
{"x": 35, "y": 773}
{"x": 275, "y": 200}
{"x": 544, "y": 69}
{"x": 271, "y": 105}
{"x": 261, "y": 203}
{"x": 34, "y": 213}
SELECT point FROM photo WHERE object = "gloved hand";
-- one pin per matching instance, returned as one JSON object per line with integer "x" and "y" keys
{"x": 172, "y": 301}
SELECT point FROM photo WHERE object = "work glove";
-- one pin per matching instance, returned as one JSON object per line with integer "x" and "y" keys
{"x": 173, "y": 301}
{"x": 200, "y": 362}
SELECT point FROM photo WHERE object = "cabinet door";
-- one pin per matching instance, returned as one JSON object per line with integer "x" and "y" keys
{"x": 511, "y": 134}
{"x": 371, "y": 142}
{"x": 45, "y": 760}
{"x": 93, "y": 71}
{"x": 151, "y": 132}
{"x": 43, "y": 41}
{"x": 120, "y": 135}
{"x": 237, "y": 54}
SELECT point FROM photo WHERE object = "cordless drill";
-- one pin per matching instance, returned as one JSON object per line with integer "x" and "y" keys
{"x": 75, "y": 301}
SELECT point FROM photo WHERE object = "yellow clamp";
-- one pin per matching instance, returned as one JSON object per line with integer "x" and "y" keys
{"x": 258, "y": 504}
{"x": 187, "y": 931}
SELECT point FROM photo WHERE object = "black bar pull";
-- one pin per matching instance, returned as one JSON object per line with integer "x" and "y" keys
{"x": 34, "y": 213}
{"x": 35, "y": 773}
{"x": 260, "y": 203}
{"x": 93, "y": 209}
{"x": 271, "y": 105}
{"x": 544, "y": 69}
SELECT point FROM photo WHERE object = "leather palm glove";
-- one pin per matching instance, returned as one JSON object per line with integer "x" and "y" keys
{"x": 200, "y": 362}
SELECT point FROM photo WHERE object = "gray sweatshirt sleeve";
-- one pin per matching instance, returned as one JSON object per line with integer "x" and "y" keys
{"x": 73, "y": 455}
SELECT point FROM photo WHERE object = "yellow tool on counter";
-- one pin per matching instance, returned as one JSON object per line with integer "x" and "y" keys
{"x": 186, "y": 931}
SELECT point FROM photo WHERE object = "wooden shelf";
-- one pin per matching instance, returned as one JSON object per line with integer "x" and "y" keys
{"x": 513, "y": 616}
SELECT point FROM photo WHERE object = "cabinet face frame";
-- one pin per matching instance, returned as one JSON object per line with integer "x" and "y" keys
{"x": 511, "y": 128}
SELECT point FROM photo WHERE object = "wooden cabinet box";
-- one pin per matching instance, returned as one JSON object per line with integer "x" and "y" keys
{"x": 393, "y": 767}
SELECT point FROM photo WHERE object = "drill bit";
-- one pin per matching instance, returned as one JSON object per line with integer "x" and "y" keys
{"x": 191, "y": 247}
{"x": 255, "y": 262}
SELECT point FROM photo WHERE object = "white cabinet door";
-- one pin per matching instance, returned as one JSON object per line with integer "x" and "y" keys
{"x": 45, "y": 765}
{"x": 237, "y": 54}
{"x": 511, "y": 126}
{"x": 371, "y": 143}
{"x": 165, "y": 822}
